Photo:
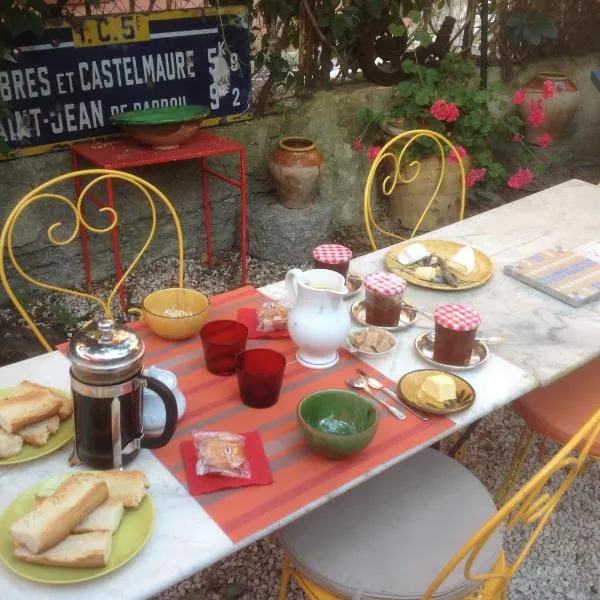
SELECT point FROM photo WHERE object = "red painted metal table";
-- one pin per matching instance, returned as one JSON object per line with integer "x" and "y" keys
{"x": 126, "y": 154}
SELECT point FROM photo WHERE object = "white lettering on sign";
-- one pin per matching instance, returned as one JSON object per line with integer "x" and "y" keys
{"x": 21, "y": 84}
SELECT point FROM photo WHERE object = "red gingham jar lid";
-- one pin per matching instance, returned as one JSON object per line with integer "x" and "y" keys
{"x": 386, "y": 284}
{"x": 332, "y": 254}
{"x": 457, "y": 317}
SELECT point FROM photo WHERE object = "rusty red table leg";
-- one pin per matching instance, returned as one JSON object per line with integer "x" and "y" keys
{"x": 206, "y": 202}
{"x": 243, "y": 249}
{"x": 115, "y": 242}
{"x": 82, "y": 230}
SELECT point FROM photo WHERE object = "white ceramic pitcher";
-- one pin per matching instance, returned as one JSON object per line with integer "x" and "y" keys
{"x": 319, "y": 321}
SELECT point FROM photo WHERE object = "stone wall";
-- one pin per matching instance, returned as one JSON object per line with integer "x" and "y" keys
{"x": 329, "y": 118}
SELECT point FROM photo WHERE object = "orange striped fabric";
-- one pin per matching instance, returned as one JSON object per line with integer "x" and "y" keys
{"x": 300, "y": 478}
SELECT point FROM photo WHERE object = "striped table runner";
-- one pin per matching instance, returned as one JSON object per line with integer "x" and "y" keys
{"x": 300, "y": 478}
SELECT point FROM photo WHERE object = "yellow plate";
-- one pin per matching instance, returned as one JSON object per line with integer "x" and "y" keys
{"x": 410, "y": 390}
{"x": 56, "y": 441}
{"x": 483, "y": 265}
{"x": 130, "y": 538}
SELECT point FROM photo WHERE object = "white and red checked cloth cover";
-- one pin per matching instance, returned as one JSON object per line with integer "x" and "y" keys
{"x": 332, "y": 254}
{"x": 457, "y": 317}
{"x": 386, "y": 284}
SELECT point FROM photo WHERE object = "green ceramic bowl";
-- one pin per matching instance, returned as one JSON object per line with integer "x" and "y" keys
{"x": 337, "y": 424}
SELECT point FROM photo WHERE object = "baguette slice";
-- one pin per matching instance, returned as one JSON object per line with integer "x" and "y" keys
{"x": 10, "y": 444}
{"x": 107, "y": 517}
{"x": 128, "y": 487}
{"x": 66, "y": 409}
{"x": 38, "y": 434}
{"x": 18, "y": 411}
{"x": 85, "y": 550}
{"x": 60, "y": 513}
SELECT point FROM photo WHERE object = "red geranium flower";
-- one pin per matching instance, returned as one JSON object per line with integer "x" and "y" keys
{"x": 521, "y": 179}
{"x": 356, "y": 145}
{"x": 544, "y": 140}
{"x": 373, "y": 151}
{"x": 519, "y": 97}
{"x": 444, "y": 111}
{"x": 548, "y": 90}
{"x": 461, "y": 152}
{"x": 475, "y": 175}
{"x": 536, "y": 113}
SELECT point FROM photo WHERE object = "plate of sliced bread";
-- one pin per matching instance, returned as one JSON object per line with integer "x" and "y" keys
{"x": 74, "y": 528}
{"x": 34, "y": 421}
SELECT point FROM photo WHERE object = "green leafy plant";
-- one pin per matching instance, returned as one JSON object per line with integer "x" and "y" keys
{"x": 448, "y": 100}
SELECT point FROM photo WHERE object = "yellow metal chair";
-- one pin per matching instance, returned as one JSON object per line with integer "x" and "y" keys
{"x": 44, "y": 193}
{"x": 382, "y": 539}
{"x": 393, "y": 155}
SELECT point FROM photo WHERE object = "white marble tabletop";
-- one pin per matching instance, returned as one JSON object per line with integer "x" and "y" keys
{"x": 541, "y": 335}
{"x": 544, "y": 336}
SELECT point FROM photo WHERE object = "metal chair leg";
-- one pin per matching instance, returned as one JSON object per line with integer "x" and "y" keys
{"x": 516, "y": 465}
{"x": 285, "y": 578}
{"x": 458, "y": 449}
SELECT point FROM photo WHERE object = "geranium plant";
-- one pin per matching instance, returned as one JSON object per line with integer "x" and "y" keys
{"x": 448, "y": 100}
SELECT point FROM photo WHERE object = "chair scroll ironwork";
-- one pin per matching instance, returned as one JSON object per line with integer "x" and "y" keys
{"x": 405, "y": 171}
{"x": 43, "y": 193}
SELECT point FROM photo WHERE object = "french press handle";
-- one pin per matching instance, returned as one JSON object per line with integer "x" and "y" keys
{"x": 168, "y": 399}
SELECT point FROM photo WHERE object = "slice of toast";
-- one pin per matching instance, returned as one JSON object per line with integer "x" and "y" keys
{"x": 26, "y": 406}
{"x": 39, "y": 433}
{"x": 128, "y": 487}
{"x": 66, "y": 409}
{"x": 59, "y": 514}
{"x": 10, "y": 444}
{"x": 83, "y": 550}
{"x": 107, "y": 517}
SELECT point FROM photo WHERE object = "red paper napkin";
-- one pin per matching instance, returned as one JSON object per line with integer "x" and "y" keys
{"x": 260, "y": 472}
{"x": 248, "y": 316}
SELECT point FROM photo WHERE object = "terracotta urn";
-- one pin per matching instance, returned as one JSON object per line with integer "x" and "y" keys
{"x": 296, "y": 166}
{"x": 558, "y": 110}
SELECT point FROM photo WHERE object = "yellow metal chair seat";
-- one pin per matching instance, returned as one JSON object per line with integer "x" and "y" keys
{"x": 391, "y": 536}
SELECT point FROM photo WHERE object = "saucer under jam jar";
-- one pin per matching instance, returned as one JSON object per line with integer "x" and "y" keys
{"x": 455, "y": 330}
{"x": 383, "y": 299}
{"x": 333, "y": 257}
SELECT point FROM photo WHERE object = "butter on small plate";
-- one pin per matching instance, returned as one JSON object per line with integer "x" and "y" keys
{"x": 436, "y": 392}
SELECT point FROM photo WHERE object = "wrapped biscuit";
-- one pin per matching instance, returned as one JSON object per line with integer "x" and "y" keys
{"x": 273, "y": 316}
{"x": 221, "y": 453}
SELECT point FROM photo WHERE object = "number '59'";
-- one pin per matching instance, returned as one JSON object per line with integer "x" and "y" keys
{"x": 212, "y": 54}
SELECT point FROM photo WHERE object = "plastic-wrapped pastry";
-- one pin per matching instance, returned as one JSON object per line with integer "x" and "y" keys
{"x": 221, "y": 453}
{"x": 272, "y": 316}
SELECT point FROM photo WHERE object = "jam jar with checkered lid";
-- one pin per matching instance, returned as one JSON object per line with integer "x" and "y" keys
{"x": 455, "y": 330}
{"x": 333, "y": 257}
{"x": 383, "y": 299}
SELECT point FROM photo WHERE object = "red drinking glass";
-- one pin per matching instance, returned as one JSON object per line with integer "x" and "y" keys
{"x": 260, "y": 373}
{"x": 223, "y": 341}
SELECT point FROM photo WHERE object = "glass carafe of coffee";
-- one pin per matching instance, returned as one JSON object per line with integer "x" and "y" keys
{"x": 108, "y": 385}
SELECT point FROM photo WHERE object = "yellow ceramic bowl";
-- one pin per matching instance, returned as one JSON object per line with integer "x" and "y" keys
{"x": 165, "y": 312}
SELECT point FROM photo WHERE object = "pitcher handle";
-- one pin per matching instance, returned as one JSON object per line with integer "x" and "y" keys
{"x": 291, "y": 284}
{"x": 168, "y": 399}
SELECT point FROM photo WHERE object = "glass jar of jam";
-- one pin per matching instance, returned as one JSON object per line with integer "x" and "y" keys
{"x": 383, "y": 299}
{"x": 333, "y": 257}
{"x": 455, "y": 330}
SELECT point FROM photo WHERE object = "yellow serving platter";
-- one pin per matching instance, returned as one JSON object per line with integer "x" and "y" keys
{"x": 410, "y": 391}
{"x": 484, "y": 267}
{"x": 56, "y": 441}
{"x": 130, "y": 538}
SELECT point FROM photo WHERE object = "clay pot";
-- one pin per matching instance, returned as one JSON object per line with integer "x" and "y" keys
{"x": 559, "y": 109}
{"x": 163, "y": 137}
{"x": 408, "y": 200}
{"x": 296, "y": 166}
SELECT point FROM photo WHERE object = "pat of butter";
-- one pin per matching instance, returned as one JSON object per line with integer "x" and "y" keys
{"x": 441, "y": 387}
{"x": 411, "y": 254}
{"x": 426, "y": 273}
{"x": 463, "y": 261}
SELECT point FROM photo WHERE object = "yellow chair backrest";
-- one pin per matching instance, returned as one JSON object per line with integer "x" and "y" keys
{"x": 529, "y": 506}
{"x": 404, "y": 172}
{"x": 44, "y": 193}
